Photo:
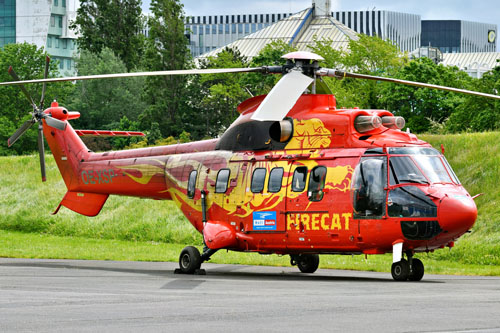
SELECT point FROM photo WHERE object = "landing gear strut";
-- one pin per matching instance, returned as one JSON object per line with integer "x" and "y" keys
{"x": 411, "y": 269}
{"x": 307, "y": 263}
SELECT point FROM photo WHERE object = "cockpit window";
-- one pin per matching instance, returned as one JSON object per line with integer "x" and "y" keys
{"x": 403, "y": 170}
{"x": 422, "y": 165}
{"x": 433, "y": 168}
{"x": 450, "y": 171}
{"x": 412, "y": 151}
{"x": 369, "y": 187}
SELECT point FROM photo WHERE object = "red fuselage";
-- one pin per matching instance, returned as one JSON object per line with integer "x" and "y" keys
{"x": 327, "y": 189}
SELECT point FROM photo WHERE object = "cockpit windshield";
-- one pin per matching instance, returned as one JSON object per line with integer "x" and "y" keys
{"x": 420, "y": 166}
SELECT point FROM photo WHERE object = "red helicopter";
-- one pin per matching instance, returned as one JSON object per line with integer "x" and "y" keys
{"x": 293, "y": 175}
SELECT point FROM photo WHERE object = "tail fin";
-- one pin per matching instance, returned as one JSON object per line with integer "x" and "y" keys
{"x": 69, "y": 151}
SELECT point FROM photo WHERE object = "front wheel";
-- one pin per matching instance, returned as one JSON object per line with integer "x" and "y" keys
{"x": 400, "y": 270}
{"x": 189, "y": 260}
{"x": 308, "y": 263}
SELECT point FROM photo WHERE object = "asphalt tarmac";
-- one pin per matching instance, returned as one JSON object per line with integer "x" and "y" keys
{"x": 107, "y": 296}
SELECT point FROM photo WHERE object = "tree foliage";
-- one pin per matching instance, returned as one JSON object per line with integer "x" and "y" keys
{"x": 29, "y": 63}
{"x": 103, "y": 103}
{"x": 111, "y": 23}
{"x": 422, "y": 106}
{"x": 219, "y": 94}
{"x": 367, "y": 55}
{"x": 166, "y": 49}
{"x": 478, "y": 113}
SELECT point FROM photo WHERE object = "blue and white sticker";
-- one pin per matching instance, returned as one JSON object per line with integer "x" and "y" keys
{"x": 264, "y": 220}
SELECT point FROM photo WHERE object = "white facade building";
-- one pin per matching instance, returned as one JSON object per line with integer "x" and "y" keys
{"x": 44, "y": 23}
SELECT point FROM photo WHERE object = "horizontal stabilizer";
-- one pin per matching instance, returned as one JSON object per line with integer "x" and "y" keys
{"x": 88, "y": 204}
{"x": 107, "y": 133}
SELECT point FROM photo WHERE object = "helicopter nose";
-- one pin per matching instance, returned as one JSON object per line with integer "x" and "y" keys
{"x": 457, "y": 213}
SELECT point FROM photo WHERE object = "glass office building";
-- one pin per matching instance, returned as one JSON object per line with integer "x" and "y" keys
{"x": 7, "y": 22}
{"x": 401, "y": 28}
{"x": 207, "y": 33}
{"x": 454, "y": 36}
{"x": 43, "y": 23}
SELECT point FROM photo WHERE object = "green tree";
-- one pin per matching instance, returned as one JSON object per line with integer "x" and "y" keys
{"x": 107, "y": 101}
{"x": 478, "y": 113}
{"x": 270, "y": 55}
{"x": 220, "y": 94}
{"x": 367, "y": 55}
{"x": 111, "y": 23}
{"x": 166, "y": 49}
{"x": 29, "y": 63}
{"x": 421, "y": 106}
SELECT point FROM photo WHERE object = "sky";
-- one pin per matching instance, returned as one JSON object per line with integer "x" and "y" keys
{"x": 485, "y": 11}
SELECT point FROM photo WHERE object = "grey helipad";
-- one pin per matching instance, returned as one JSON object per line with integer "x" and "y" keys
{"x": 70, "y": 295}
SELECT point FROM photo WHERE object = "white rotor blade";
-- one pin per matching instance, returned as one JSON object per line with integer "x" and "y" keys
{"x": 282, "y": 97}
{"x": 157, "y": 73}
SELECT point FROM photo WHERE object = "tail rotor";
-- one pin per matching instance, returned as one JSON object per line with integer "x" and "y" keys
{"x": 37, "y": 116}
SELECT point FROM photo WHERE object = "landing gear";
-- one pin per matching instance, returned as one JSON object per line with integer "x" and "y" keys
{"x": 307, "y": 263}
{"x": 190, "y": 260}
{"x": 400, "y": 270}
{"x": 411, "y": 269}
{"x": 417, "y": 270}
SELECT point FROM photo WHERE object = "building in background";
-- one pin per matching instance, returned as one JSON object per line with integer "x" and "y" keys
{"x": 43, "y": 23}
{"x": 207, "y": 33}
{"x": 454, "y": 36}
{"x": 474, "y": 64}
{"x": 408, "y": 31}
{"x": 401, "y": 28}
{"x": 298, "y": 30}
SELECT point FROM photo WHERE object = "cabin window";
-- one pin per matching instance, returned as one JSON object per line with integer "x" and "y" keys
{"x": 275, "y": 179}
{"x": 368, "y": 187}
{"x": 316, "y": 183}
{"x": 222, "y": 180}
{"x": 192, "y": 184}
{"x": 258, "y": 178}
{"x": 299, "y": 179}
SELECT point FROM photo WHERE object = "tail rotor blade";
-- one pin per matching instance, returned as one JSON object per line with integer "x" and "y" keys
{"x": 41, "y": 151}
{"x": 45, "y": 74}
{"x": 23, "y": 88}
{"x": 56, "y": 123}
{"x": 282, "y": 97}
{"x": 20, "y": 131}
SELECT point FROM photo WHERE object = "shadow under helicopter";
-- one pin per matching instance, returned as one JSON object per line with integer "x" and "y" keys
{"x": 181, "y": 281}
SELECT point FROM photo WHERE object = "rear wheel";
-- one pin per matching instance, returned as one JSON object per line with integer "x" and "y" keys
{"x": 400, "y": 270}
{"x": 189, "y": 260}
{"x": 308, "y": 263}
{"x": 417, "y": 270}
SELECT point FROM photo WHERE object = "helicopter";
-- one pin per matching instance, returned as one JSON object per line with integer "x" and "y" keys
{"x": 293, "y": 174}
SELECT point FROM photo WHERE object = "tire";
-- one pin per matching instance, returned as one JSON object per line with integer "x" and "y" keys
{"x": 417, "y": 270}
{"x": 400, "y": 270}
{"x": 308, "y": 263}
{"x": 189, "y": 260}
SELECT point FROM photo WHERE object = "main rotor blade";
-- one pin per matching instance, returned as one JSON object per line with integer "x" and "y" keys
{"x": 342, "y": 74}
{"x": 157, "y": 73}
{"x": 56, "y": 123}
{"x": 41, "y": 151}
{"x": 20, "y": 131}
{"x": 45, "y": 74}
{"x": 282, "y": 97}
{"x": 23, "y": 89}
